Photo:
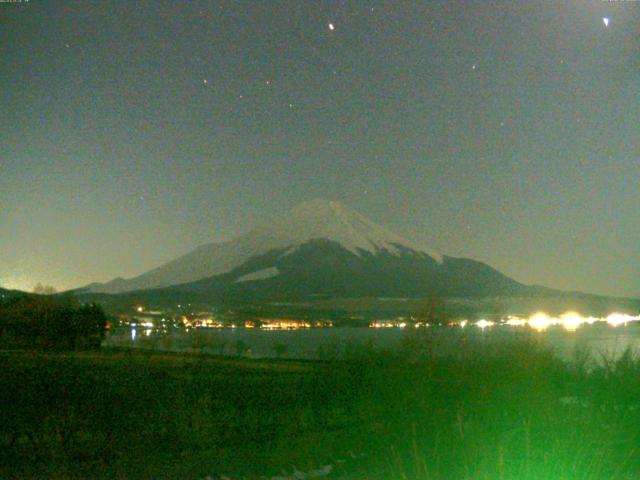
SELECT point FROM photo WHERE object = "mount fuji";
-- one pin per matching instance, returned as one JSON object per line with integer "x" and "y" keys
{"x": 319, "y": 248}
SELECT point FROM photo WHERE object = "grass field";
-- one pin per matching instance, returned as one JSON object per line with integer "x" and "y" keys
{"x": 502, "y": 410}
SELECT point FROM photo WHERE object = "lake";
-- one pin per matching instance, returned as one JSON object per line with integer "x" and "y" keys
{"x": 316, "y": 343}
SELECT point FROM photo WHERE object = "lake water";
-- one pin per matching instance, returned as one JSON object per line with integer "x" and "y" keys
{"x": 601, "y": 339}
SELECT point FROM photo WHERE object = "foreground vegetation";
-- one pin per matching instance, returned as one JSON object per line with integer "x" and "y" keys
{"x": 503, "y": 409}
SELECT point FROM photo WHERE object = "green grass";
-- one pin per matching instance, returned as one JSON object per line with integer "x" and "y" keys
{"x": 481, "y": 410}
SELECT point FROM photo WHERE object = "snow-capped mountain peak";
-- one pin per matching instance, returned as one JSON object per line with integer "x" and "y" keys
{"x": 313, "y": 220}
{"x": 333, "y": 221}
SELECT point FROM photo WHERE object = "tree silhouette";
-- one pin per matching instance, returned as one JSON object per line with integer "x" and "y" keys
{"x": 48, "y": 323}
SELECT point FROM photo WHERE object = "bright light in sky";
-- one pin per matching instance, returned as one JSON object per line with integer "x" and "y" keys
{"x": 605, "y": 20}
{"x": 331, "y": 27}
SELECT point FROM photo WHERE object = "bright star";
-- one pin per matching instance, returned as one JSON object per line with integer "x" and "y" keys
{"x": 331, "y": 27}
{"x": 606, "y": 21}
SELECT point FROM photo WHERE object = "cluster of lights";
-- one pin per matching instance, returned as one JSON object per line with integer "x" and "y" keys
{"x": 396, "y": 324}
{"x": 539, "y": 322}
{"x": 484, "y": 324}
{"x": 208, "y": 322}
{"x": 286, "y": 324}
{"x": 383, "y": 324}
{"x": 570, "y": 321}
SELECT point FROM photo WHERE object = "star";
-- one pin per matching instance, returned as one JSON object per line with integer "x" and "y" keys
{"x": 606, "y": 21}
{"x": 473, "y": 67}
{"x": 205, "y": 81}
{"x": 331, "y": 27}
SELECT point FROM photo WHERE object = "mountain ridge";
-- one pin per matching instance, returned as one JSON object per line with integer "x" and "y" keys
{"x": 325, "y": 268}
{"x": 315, "y": 219}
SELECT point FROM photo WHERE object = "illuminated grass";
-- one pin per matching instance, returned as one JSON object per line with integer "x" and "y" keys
{"x": 507, "y": 409}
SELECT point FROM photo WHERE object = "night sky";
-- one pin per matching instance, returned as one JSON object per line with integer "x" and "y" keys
{"x": 508, "y": 132}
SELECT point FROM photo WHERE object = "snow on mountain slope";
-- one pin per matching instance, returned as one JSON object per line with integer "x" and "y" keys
{"x": 333, "y": 221}
{"x": 317, "y": 219}
{"x": 259, "y": 275}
